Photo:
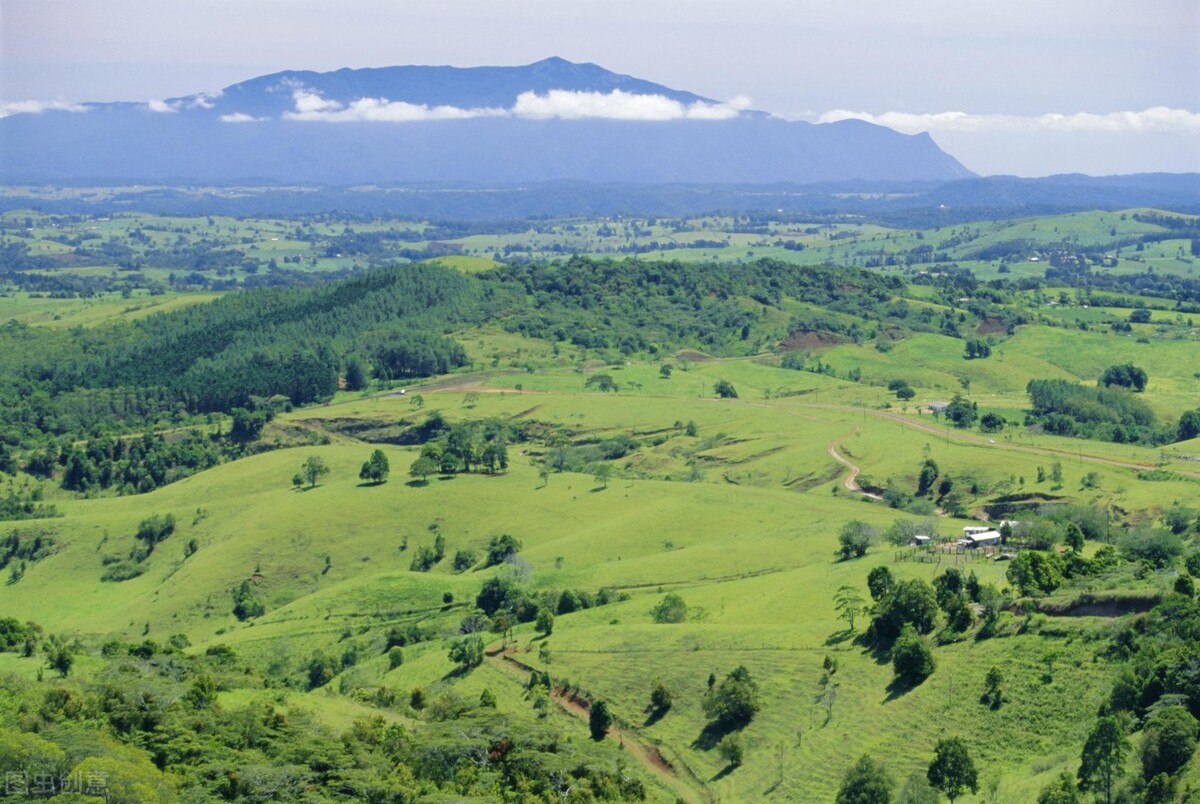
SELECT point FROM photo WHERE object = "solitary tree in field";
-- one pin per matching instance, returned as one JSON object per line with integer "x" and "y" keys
{"x": 912, "y": 660}
{"x": 952, "y": 770}
{"x": 376, "y": 469}
{"x": 601, "y": 472}
{"x": 868, "y": 782}
{"x": 731, "y": 749}
{"x": 725, "y": 389}
{"x": 849, "y": 604}
{"x": 313, "y": 468}
{"x": 734, "y": 702}
{"x": 1103, "y": 760}
{"x": 599, "y": 720}
{"x": 601, "y": 382}
{"x": 660, "y": 697}
{"x": 993, "y": 687}
{"x": 854, "y": 539}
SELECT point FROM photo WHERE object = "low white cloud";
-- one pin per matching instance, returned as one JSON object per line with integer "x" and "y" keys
{"x": 37, "y": 107}
{"x": 555, "y": 104}
{"x": 204, "y": 100}
{"x": 313, "y": 107}
{"x": 242, "y": 117}
{"x": 1159, "y": 119}
{"x": 619, "y": 105}
{"x": 162, "y": 106}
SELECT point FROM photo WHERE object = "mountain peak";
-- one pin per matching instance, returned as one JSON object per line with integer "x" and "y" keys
{"x": 548, "y": 120}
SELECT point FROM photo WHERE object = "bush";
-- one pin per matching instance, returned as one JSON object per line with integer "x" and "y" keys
{"x": 1034, "y": 572}
{"x": 1170, "y": 741}
{"x": 725, "y": 390}
{"x": 912, "y": 660}
{"x": 868, "y": 782}
{"x": 660, "y": 697}
{"x": 464, "y": 560}
{"x": 734, "y": 702}
{"x": 671, "y": 609}
{"x": 854, "y": 539}
{"x": 122, "y": 571}
{"x": 731, "y": 749}
{"x": 395, "y": 658}
{"x": 467, "y": 652}
{"x": 501, "y": 548}
{"x": 599, "y": 720}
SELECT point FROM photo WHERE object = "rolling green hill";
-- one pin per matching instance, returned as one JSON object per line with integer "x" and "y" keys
{"x": 686, "y": 454}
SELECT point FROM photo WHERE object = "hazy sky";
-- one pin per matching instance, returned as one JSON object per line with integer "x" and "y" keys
{"x": 1029, "y": 87}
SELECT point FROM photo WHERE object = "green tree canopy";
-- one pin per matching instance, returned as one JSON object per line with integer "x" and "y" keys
{"x": 952, "y": 770}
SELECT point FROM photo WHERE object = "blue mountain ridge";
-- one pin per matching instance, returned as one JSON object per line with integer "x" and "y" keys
{"x": 128, "y": 142}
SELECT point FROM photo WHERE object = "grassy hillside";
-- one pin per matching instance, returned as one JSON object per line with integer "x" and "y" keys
{"x": 750, "y": 550}
{"x": 312, "y": 620}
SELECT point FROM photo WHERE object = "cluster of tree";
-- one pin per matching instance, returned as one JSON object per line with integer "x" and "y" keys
{"x": 1127, "y": 376}
{"x": 25, "y": 502}
{"x": 376, "y": 468}
{"x": 977, "y": 348}
{"x": 20, "y": 548}
{"x": 246, "y": 602}
{"x": 466, "y": 445}
{"x": 136, "y": 465}
{"x": 634, "y": 306}
{"x": 1105, "y": 413}
{"x": 401, "y": 353}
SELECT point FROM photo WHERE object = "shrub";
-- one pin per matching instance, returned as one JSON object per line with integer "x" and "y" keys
{"x": 671, "y": 609}
{"x": 912, "y": 660}
{"x": 734, "y": 702}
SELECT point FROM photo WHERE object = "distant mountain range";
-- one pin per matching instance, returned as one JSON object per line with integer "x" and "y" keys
{"x": 544, "y": 122}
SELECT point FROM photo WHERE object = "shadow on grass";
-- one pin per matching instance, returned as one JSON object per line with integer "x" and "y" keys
{"x": 711, "y": 735}
{"x": 900, "y": 687}
{"x": 446, "y": 477}
{"x": 654, "y": 716}
{"x": 417, "y": 484}
{"x": 838, "y": 637}
{"x": 459, "y": 671}
{"x": 721, "y": 774}
{"x": 598, "y": 489}
{"x": 367, "y": 484}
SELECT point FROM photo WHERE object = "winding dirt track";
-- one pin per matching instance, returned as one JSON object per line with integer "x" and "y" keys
{"x": 851, "y": 481}
{"x": 646, "y": 754}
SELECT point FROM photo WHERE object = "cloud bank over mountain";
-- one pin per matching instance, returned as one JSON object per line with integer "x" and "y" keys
{"x": 546, "y": 121}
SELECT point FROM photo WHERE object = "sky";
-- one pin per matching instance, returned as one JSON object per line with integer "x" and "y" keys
{"x": 1022, "y": 87}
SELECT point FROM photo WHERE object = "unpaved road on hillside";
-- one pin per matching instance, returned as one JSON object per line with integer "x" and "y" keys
{"x": 644, "y": 753}
{"x": 851, "y": 481}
